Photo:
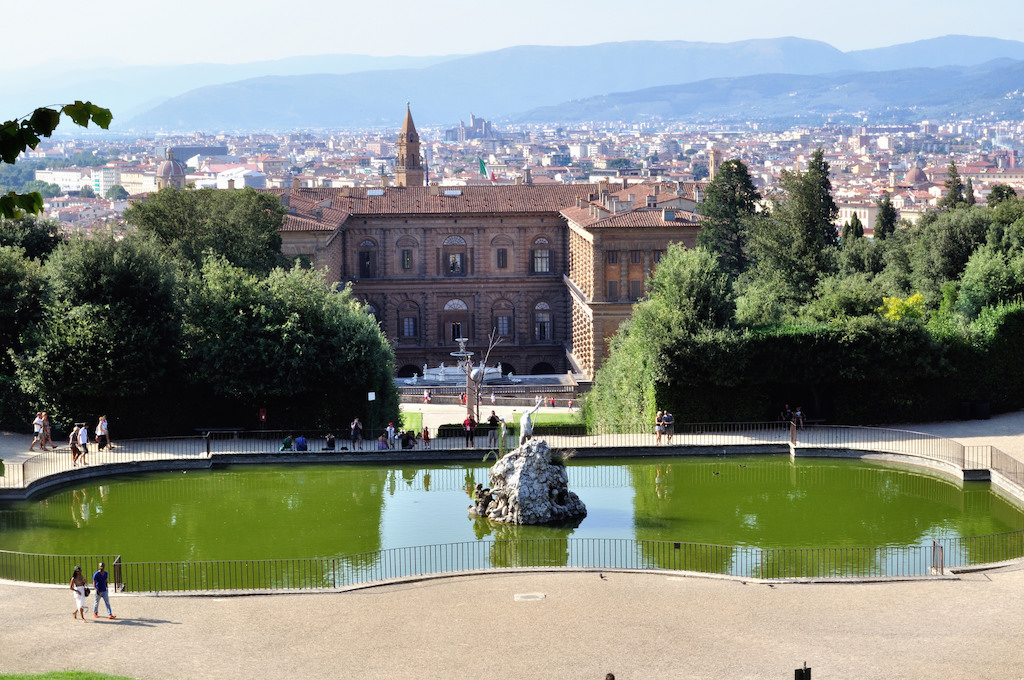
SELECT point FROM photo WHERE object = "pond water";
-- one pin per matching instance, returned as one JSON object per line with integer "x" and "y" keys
{"x": 256, "y": 512}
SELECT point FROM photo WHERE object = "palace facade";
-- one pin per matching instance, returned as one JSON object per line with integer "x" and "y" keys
{"x": 551, "y": 269}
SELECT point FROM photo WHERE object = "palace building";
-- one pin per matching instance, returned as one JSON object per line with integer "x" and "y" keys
{"x": 553, "y": 270}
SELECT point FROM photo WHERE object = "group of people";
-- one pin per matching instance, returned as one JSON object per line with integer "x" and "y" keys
{"x": 78, "y": 440}
{"x": 664, "y": 424}
{"x": 796, "y": 417}
{"x": 99, "y": 587}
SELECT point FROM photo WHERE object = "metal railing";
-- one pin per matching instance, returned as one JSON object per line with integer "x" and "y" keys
{"x": 336, "y": 572}
{"x": 884, "y": 562}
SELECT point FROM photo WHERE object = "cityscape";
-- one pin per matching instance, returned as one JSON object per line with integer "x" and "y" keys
{"x": 747, "y": 322}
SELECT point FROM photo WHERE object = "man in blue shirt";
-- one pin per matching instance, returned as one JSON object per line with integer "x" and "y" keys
{"x": 99, "y": 585}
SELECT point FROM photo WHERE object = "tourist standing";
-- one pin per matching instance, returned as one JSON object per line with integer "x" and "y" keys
{"x": 356, "y": 434}
{"x": 659, "y": 427}
{"x": 492, "y": 398}
{"x": 669, "y": 421}
{"x": 390, "y": 429}
{"x": 78, "y": 588}
{"x": 492, "y": 429}
{"x": 37, "y": 432}
{"x": 470, "y": 425}
{"x": 426, "y": 437}
{"x": 83, "y": 440}
{"x": 99, "y": 584}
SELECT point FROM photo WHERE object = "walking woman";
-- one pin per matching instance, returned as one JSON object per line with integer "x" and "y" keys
{"x": 78, "y": 588}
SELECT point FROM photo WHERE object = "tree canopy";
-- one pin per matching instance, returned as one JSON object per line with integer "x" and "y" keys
{"x": 242, "y": 226}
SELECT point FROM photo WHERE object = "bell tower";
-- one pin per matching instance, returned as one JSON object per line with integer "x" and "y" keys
{"x": 409, "y": 170}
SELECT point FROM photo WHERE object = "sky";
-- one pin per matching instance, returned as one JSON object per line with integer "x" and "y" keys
{"x": 107, "y": 32}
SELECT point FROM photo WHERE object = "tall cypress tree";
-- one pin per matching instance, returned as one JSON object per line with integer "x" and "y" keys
{"x": 729, "y": 205}
{"x": 885, "y": 220}
{"x": 954, "y": 189}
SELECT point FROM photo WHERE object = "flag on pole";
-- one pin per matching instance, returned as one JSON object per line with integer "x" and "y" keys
{"x": 483, "y": 167}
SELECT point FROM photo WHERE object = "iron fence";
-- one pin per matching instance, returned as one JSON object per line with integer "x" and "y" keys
{"x": 542, "y": 553}
{"x": 39, "y": 568}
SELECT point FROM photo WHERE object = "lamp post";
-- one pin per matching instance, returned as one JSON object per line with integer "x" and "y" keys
{"x": 464, "y": 359}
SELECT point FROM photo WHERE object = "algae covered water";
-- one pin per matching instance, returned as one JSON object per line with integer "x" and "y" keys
{"x": 279, "y": 511}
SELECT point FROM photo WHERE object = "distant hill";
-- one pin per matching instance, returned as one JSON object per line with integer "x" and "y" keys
{"x": 505, "y": 83}
{"x": 904, "y": 95}
{"x": 130, "y": 90}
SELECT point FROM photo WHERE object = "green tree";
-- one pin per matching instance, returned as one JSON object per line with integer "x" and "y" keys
{"x": 885, "y": 220}
{"x": 109, "y": 338}
{"x": 944, "y": 246}
{"x": 21, "y": 303}
{"x": 688, "y": 295}
{"x": 45, "y": 189}
{"x": 37, "y": 237}
{"x": 116, "y": 193}
{"x": 289, "y": 343}
{"x": 954, "y": 189}
{"x": 730, "y": 203}
{"x": 20, "y": 134}
{"x": 969, "y": 193}
{"x": 241, "y": 225}
{"x": 852, "y": 230}
{"x": 87, "y": 191}
{"x": 1000, "y": 193}
{"x": 798, "y": 245}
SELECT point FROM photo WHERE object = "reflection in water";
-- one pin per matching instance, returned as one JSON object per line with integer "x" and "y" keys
{"x": 738, "y": 503}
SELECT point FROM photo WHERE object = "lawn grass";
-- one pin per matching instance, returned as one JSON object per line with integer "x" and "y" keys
{"x": 412, "y": 421}
{"x": 575, "y": 418}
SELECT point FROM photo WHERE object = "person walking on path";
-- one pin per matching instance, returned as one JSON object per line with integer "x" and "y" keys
{"x": 83, "y": 440}
{"x": 78, "y": 588}
{"x": 73, "y": 442}
{"x": 47, "y": 433}
{"x": 102, "y": 434}
{"x": 99, "y": 584}
{"x": 37, "y": 432}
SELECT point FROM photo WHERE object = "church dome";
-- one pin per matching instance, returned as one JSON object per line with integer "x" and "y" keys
{"x": 915, "y": 176}
{"x": 171, "y": 169}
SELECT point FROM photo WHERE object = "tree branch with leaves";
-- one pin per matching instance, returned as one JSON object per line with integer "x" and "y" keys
{"x": 20, "y": 134}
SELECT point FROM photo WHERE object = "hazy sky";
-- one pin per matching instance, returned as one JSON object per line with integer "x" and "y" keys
{"x": 73, "y": 33}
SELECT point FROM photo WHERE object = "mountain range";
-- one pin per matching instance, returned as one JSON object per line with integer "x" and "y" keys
{"x": 668, "y": 80}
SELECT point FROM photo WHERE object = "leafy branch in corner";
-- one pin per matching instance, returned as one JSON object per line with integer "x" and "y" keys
{"x": 25, "y": 133}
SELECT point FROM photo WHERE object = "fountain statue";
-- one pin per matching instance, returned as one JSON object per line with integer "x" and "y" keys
{"x": 528, "y": 485}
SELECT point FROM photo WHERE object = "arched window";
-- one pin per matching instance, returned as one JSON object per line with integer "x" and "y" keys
{"x": 540, "y": 256}
{"x": 503, "y": 318}
{"x": 454, "y": 252}
{"x": 367, "y": 259}
{"x": 501, "y": 246}
{"x": 542, "y": 322}
{"x": 455, "y": 321}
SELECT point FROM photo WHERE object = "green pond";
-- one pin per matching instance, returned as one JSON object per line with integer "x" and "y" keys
{"x": 257, "y": 512}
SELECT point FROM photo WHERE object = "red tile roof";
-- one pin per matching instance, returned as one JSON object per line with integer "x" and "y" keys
{"x": 505, "y": 198}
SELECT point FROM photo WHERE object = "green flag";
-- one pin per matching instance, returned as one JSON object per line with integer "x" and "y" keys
{"x": 483, "y": 168}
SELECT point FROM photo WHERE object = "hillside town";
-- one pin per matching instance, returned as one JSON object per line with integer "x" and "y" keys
{"x": 907, "y": 161}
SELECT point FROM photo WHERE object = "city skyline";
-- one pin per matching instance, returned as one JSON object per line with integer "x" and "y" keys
{"x": 234, "y": 32}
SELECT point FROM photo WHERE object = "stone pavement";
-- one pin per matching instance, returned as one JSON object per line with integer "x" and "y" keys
{"x": 548, "y": 625}
{"x": 538, "y": 625}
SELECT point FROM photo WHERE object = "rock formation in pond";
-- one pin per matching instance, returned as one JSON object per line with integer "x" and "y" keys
{"x": 528, "y": 487}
